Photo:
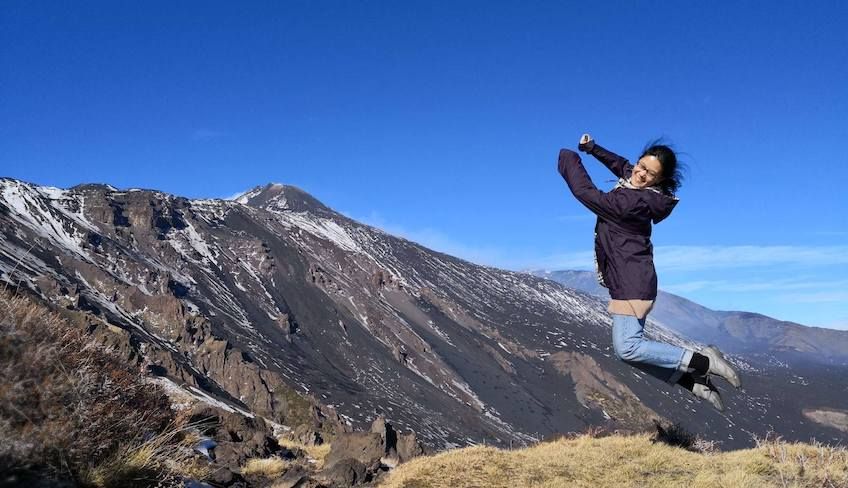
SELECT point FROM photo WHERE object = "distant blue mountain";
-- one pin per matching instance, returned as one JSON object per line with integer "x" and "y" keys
{"x": 733, "y": 331}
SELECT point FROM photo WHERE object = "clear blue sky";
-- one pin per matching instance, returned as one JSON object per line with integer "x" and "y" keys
{"x": 441, "y": 121}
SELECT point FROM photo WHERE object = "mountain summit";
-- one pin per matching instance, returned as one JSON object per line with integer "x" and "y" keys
{"x": 279, "y": 197}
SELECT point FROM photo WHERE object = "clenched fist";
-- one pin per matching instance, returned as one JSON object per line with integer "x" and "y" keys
{"x": 586, "y": 143}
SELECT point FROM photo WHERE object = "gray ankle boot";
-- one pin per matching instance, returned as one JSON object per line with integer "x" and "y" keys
{"x": 704, "y": 389}
{"x": 720, "y": 366}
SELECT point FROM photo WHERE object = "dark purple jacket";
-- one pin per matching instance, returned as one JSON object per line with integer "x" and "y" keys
{"x": 623, "y": 249}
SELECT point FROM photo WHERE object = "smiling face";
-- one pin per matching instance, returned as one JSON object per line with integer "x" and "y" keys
{"x": 647, "y": 172}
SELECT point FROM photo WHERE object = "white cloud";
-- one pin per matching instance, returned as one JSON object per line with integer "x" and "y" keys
{"x": 693, "y": 258}
{"x": 838, "y": 296}
{"x": 786, "y": 284}
{"x": 667, "y": 258}
{"x": 703, "y": 258}
{"x": 697, "y": 258}
{"x": 795, "y": 290}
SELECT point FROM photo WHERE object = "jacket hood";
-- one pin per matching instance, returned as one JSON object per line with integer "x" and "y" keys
{"x": 660, "y": 203}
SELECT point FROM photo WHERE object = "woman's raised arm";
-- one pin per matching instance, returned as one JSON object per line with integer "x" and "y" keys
{"x": 617, "y": 164}
{"x": 613, "y": 206}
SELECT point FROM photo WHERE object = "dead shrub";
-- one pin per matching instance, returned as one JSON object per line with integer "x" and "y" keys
{"x": 67, "y": 407}
{"x": 675, "y": 435}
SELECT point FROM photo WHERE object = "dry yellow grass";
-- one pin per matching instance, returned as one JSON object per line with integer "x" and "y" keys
{"x": 267, "y": 467}
{"x": 318, "y": 453}
{"x": 166, "y": 457}
{"x": 74, "y": 411}
{"x": 625, "y": 461}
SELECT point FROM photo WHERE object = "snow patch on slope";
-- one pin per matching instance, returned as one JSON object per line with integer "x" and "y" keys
{"x": 323, "y": 228}
{"x": 246, "y": 196}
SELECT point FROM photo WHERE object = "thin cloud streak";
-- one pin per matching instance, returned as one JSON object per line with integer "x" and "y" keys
{"x": 753, "y": 287}
{"x": 667, "y": 258}
{"x": 700, "y": 258}
{"x": 820, "y": 297}
{"x": 799, "y": 290}
{"x": 693, "y": 258}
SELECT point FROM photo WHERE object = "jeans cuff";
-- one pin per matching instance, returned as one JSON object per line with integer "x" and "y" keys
{"x": 685, "y": 360}
{"x": 682, "y": 367}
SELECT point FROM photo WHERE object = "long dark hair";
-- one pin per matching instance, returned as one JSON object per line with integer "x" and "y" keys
{"x": 672, "y": 169}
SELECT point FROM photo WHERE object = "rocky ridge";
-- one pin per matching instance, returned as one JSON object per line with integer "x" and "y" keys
{"x": 278, "y": 307}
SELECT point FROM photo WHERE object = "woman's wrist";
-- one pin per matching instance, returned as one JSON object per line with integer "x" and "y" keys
{"x": 587, "y": 147}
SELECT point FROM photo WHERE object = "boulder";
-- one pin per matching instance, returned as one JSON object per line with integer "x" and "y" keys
{"x": 306, "y": 435}
{"x": 365, "y": 447}
{"x": 345, "y": 472}
{"x": 238, "y": 438}
{"x": 224, "y": 476}
{"x": 399, "y": 447}
{"x": 296, "y": 477}
{"x": 408, "y": 447}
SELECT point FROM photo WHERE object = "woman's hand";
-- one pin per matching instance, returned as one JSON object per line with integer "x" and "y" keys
{"x": 586, "y": 143}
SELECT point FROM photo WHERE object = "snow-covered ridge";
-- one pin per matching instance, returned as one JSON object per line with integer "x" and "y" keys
{"x": 49, "y": 212}
{"x": 456, "y": 275}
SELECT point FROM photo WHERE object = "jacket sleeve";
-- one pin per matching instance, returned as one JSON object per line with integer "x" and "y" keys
{"x": 613, "y": 206}
{"x": 617, "y": 164}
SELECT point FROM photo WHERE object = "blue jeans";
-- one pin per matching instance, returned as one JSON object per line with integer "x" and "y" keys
{"x": 658, "y": 359}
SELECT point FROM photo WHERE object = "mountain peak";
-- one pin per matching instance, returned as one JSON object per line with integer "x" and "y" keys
{"x": 277, "y": 197}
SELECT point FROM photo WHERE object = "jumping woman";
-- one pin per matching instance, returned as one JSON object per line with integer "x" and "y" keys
{"x": 624, "y": 261}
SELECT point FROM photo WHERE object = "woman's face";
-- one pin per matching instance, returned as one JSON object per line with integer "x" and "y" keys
{"x": 647, "y": 172}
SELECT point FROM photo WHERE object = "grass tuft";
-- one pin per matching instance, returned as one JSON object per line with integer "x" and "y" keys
{"x": 73, "y": 411}
{"x": 318, "y": 453}
{"x": 626, "y": 460}
{"x": 268, "y": 467}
